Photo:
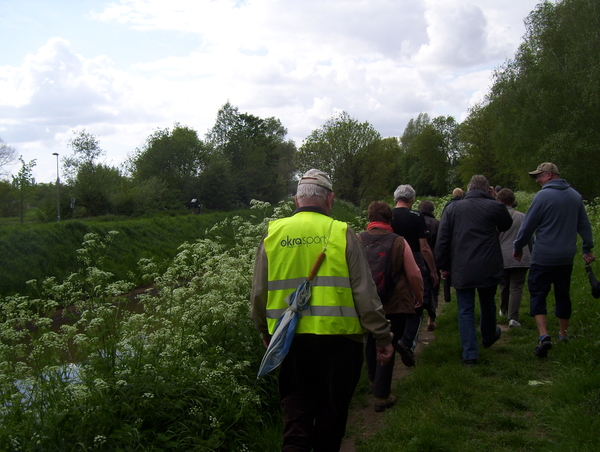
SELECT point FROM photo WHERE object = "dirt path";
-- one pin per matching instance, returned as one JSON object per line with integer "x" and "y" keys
{"x": 364, "y": 421}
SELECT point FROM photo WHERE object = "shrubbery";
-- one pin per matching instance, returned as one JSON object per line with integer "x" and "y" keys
{"x": 180, "y": 375}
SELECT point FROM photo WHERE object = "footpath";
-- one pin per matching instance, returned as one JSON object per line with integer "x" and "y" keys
{"x": 363, "y": 421}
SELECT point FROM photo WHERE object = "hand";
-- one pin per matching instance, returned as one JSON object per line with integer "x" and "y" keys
{"x": 518, "y": 256}
{"x": 589, "y": 258}
{"x": 445, "y": 274}
{"x": 434, "y": 279}
{"x": 266, "y": 340}
{"x": 384, "y": 354}
{"x": 418, "y": 303}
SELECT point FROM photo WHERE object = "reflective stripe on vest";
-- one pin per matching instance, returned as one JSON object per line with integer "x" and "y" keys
{"x": 292, "y": 246}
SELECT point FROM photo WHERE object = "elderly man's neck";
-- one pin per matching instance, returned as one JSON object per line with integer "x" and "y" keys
{"x": 407, "y": 203}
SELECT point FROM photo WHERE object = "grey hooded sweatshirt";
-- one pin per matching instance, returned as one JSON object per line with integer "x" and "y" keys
{"x": 556, "y": 216}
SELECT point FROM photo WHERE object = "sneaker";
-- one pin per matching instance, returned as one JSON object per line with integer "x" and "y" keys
{"x": 494, "y": 339}
{"x": 469, "y": 362}
{"x": 512, "y": 323}
{"x": 432, "y": 326}
{"x": 382, "y": 403}
{"x": 406, "y": 354}
{"x": 544, "y": 345}
{"x": 563, "y": 338}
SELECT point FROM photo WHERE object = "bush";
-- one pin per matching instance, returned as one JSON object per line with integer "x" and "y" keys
{"x": 180, "y": 375}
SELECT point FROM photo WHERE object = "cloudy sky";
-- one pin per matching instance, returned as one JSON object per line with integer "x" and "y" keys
{"x": 120, "y": 69}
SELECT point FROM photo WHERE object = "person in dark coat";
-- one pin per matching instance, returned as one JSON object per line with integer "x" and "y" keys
{"x": 457, "y": 195}
{"x": 468, "y": 248}
{"x": 427, "y": 208}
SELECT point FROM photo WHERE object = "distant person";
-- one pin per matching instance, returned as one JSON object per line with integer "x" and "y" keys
{"x": 318, "y": 376}
{"x": 411, "y": 225}
{"x": 427, "y": 208}
{"x": 406, "y": 293}
{"x": 511, "y": 288}
{"x": 468, "y": 249}
{"x": 556, "y": 215}
{"x": 457, "y": 195}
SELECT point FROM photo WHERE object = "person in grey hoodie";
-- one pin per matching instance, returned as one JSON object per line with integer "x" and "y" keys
{"x": 556, "y": 215}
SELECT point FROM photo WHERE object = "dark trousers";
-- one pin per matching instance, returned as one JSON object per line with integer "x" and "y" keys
{"x": 541, "y": 278}
{"x": 316, "y": 383}
{"x": 381, "y": 375}
{"x": 413, "y": 323}
{"x": 447, "y": 294}
{"x": 511, "y": 291}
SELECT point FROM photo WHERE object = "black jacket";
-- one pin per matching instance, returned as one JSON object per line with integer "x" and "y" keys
{"x": 467, "y": 243}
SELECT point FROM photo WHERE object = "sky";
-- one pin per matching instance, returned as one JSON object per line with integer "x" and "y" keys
{"x": 122, "y": 69}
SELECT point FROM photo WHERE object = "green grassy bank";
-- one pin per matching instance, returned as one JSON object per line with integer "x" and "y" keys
{"x": 37, "y": 251}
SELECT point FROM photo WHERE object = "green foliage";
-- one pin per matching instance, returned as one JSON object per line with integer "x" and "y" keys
{"x": 38, "y": 251}
{"x": 175, "y": 157}
{"x": 180, "y": 374}
{"x": 429, "y": 154}
{"x": 353, "y": 155}
{"x": 86, "y": 150}
{"x": 252, "y": 158}
{"x": 24, "y": 183}
{"x": 543, "y": 105}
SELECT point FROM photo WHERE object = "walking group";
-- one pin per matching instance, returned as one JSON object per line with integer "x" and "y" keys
{"x": 370, "y": 293}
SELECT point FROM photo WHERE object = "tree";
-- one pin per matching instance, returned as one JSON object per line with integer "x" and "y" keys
{"x": 174, "y": 156}
{"x": 341, "y": 148}
{"x": 86, "y": 150}
{"x": 546, "y": 99}
{"x": 8, "y": 155}
{"x": 430, "y": 151}
{"x": 23, "y": 182}
{"x": 255, "y": 153}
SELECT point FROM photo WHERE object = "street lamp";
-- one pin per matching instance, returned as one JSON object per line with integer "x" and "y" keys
{"x": 57, "y": 189}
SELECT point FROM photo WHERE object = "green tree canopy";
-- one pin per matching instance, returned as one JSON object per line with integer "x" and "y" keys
{"x": 252, "y": 156}
{"x": 345, "y": 148}
{"x": 430, "y": 151}
{"x": 174, "y": 156}
{"x": 545, "y": 102}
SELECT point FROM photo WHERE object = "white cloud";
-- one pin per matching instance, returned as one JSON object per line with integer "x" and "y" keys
{"x": 382, "y": 61}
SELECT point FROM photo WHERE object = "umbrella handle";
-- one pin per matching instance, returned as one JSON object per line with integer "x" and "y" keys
{"x": 316, "y": 267}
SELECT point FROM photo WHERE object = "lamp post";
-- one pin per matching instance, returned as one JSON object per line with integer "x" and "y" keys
{"x": 57, "y": 189}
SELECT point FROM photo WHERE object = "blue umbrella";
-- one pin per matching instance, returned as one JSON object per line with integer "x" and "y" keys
{"x": 286, "y": 325}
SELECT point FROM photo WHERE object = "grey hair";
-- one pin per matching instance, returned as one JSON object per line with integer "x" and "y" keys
{"x": 404, "y": 193}
{"x": 479, "y": 182}
{"x": 312, "y": 191}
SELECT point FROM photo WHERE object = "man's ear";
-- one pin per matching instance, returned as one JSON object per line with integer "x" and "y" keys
{"x": 296, "y": 201}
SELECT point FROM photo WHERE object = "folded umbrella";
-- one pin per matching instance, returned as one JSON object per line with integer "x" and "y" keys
{"x": 593, "y": 282}
{"x": 286, "y": 325}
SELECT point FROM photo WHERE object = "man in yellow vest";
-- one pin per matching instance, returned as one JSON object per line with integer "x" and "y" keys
{"x": 318, "y": 376}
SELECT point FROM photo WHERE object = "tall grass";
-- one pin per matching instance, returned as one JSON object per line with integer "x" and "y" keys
{"x": 510, "y": 401}
{"x": 37, "y": 251}
{"x": 181, "y": 375}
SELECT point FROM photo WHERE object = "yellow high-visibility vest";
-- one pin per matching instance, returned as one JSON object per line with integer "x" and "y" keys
{"x": 292, "y": 246}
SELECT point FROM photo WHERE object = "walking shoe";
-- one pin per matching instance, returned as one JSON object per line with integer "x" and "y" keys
{"x": 512, "y": 323}
{"x": 469, "y": 362}
{"x": 432, "y": 326}
{"x": 382, "y": 403}
{"x": 406, "y": 354}
{"x": 493, "y": 341}
{"x": 544, "y": 345}
{"x": 564, "y": 338}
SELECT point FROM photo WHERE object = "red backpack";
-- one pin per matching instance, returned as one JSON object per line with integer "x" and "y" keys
{"x": 379, "y": 250}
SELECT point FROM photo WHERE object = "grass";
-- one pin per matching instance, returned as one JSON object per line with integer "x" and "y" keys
{"x": 510, "y": 401}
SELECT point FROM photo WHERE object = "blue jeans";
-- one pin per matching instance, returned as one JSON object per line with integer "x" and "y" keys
{"x": 466, "y": 318}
